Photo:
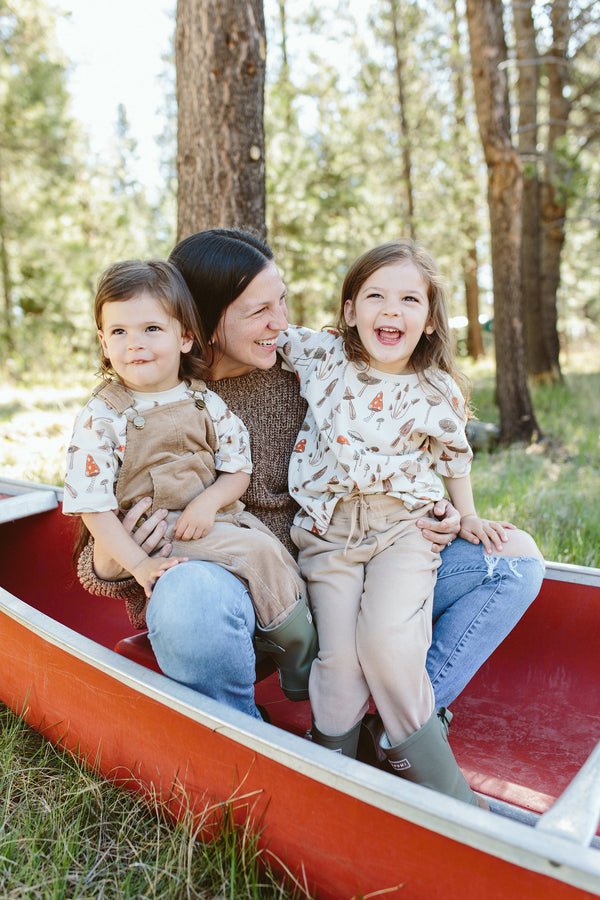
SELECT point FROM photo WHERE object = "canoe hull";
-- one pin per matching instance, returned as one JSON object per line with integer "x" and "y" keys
{"x": 343, "y": 828}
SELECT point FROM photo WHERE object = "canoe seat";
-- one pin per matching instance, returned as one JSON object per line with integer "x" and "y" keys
{"x": 139, "y": 649}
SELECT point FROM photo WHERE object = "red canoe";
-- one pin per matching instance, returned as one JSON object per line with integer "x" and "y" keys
{"x": 524, "y": 733}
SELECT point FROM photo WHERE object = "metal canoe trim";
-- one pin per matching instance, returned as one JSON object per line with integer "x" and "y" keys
{"x": 576, "y": 813}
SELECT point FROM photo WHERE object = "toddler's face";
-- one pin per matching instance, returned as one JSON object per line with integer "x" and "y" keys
{"x": 143, "y": 343}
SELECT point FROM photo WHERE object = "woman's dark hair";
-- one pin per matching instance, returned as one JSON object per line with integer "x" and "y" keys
{"x": 218, "y": 265}
{"x": 163, "y": 281}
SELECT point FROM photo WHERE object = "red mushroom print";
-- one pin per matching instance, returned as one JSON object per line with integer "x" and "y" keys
{"x": 342, "y": 440}
{"x": 91, "y": 470}
{"x": 91, "y": 467}
{"x": 300, "y": 446}
{"x": 376, "y": 405}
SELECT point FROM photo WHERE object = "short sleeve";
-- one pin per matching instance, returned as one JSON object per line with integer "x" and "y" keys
{"x": 93, "y": 458}
{"x": 233, "y": 442}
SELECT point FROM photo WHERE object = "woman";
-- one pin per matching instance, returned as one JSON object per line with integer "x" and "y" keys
{"x": 200, "y": 618}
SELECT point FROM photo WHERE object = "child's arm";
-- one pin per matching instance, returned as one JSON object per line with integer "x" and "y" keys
{"x": 472, "y": 527}
{"x": 115, "y": 540}
{"x": 198, "y": 517}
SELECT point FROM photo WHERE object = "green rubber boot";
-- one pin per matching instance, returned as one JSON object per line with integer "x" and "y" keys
{"x": 345, "y": 744}
{"x": 292, "y": 645}
{"x": 426, "y": 758}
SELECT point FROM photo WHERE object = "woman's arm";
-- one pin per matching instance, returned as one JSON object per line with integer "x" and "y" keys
{"x": 108, "y": 532}
{"x": 147, "y": 533}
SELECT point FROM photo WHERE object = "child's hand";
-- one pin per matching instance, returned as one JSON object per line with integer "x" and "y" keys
{"x": 149, "y": 571}
{"x": 491, "y": 534}
{"x": 197, "y": 519}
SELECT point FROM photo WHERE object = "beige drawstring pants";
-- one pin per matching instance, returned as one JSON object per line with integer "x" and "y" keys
{"x": 371, "y": 579}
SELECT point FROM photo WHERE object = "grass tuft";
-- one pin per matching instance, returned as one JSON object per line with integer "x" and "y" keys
{"x": 66, "y": 833}
{"x": 552, "y": 488}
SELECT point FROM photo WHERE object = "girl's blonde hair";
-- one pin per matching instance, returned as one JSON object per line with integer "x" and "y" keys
{"x": 434, "y": 351}
{"x": 126, "y": 280}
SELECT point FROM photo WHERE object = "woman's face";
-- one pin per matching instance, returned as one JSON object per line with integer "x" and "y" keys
{"x": 246, "y": 335}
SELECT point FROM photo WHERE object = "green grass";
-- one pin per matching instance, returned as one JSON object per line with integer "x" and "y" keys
{"x": 551, "y": 488}
{"x": 66, "y": 833}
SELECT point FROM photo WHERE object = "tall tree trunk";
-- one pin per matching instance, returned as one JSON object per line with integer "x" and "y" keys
{"x": 397, "y": 28}
{"x": 527, "y": 86}
{"x": 220, "y": 53}
{"x": 470, "y": 271}
{"x": 553, "y": 198}
{"x": 505, "y": 183}
{"x": 468, "y": 218}
{"x": 5, "y": 275}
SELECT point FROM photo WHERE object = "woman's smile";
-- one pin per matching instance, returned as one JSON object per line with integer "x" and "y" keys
{"x": 246, "y": 336}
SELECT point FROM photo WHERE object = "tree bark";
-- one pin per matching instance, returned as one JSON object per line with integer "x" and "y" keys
{"x": 468, "y": 218}
{"x": 405, "y": 139}
{"x": 553, "y": 197}
{"x": 475, "y": 347}
{"x": 220, "y": 53}
{"x": 527, "y": 87}
{"x": 7, "y": 331}
{"x": 505, "y": 184}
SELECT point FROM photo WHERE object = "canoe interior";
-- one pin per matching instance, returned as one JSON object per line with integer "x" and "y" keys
{"x": 522, "y": 729}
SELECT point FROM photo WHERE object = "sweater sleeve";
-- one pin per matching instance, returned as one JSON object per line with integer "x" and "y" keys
{"x": 127, "y": 589}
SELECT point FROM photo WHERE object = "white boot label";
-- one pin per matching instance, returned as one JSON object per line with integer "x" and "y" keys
{"x": 399, "y": 764}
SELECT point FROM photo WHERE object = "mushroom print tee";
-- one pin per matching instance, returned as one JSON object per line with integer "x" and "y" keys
{"x": 369, "y": 431}
{"x": 99, "y": 439}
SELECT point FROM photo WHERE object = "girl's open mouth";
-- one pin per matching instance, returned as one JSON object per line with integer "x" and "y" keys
{"x": 388, "y": 335}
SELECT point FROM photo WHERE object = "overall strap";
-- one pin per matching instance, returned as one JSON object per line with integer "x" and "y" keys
{"x": 114, "y": 395}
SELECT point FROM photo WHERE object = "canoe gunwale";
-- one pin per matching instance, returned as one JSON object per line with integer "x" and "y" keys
{"x": 509, "y": 839}
{"x": 507, "y": 835}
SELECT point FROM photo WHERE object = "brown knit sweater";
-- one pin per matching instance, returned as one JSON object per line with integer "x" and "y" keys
{"x": 270, "y": 405}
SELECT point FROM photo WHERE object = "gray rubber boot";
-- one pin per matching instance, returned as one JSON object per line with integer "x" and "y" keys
{"x": 370, "y": 750}
{"x": 426, "y": 758}
{"x": 293, "y": 646}
{"x": 345, "y": 744}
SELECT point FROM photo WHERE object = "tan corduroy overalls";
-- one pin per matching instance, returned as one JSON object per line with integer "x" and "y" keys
{"x": 169, "y": 456}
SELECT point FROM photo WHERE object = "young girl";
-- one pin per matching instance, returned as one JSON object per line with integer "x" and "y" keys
{"x": 152, "y": 429}
{"x": 385, "y": 415}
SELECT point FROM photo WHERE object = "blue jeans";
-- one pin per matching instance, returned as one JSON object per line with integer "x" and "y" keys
{"x": 201, "y": 622}
{"x": 478, "y": 600}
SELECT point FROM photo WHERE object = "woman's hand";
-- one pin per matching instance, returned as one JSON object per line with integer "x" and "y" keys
{"x": 442, "y": 529}
{"x": 148, "y": 536}
{"x": 149, "y": 571}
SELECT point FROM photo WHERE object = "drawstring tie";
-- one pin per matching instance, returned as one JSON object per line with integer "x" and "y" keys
{"x": 359, "y": 522}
